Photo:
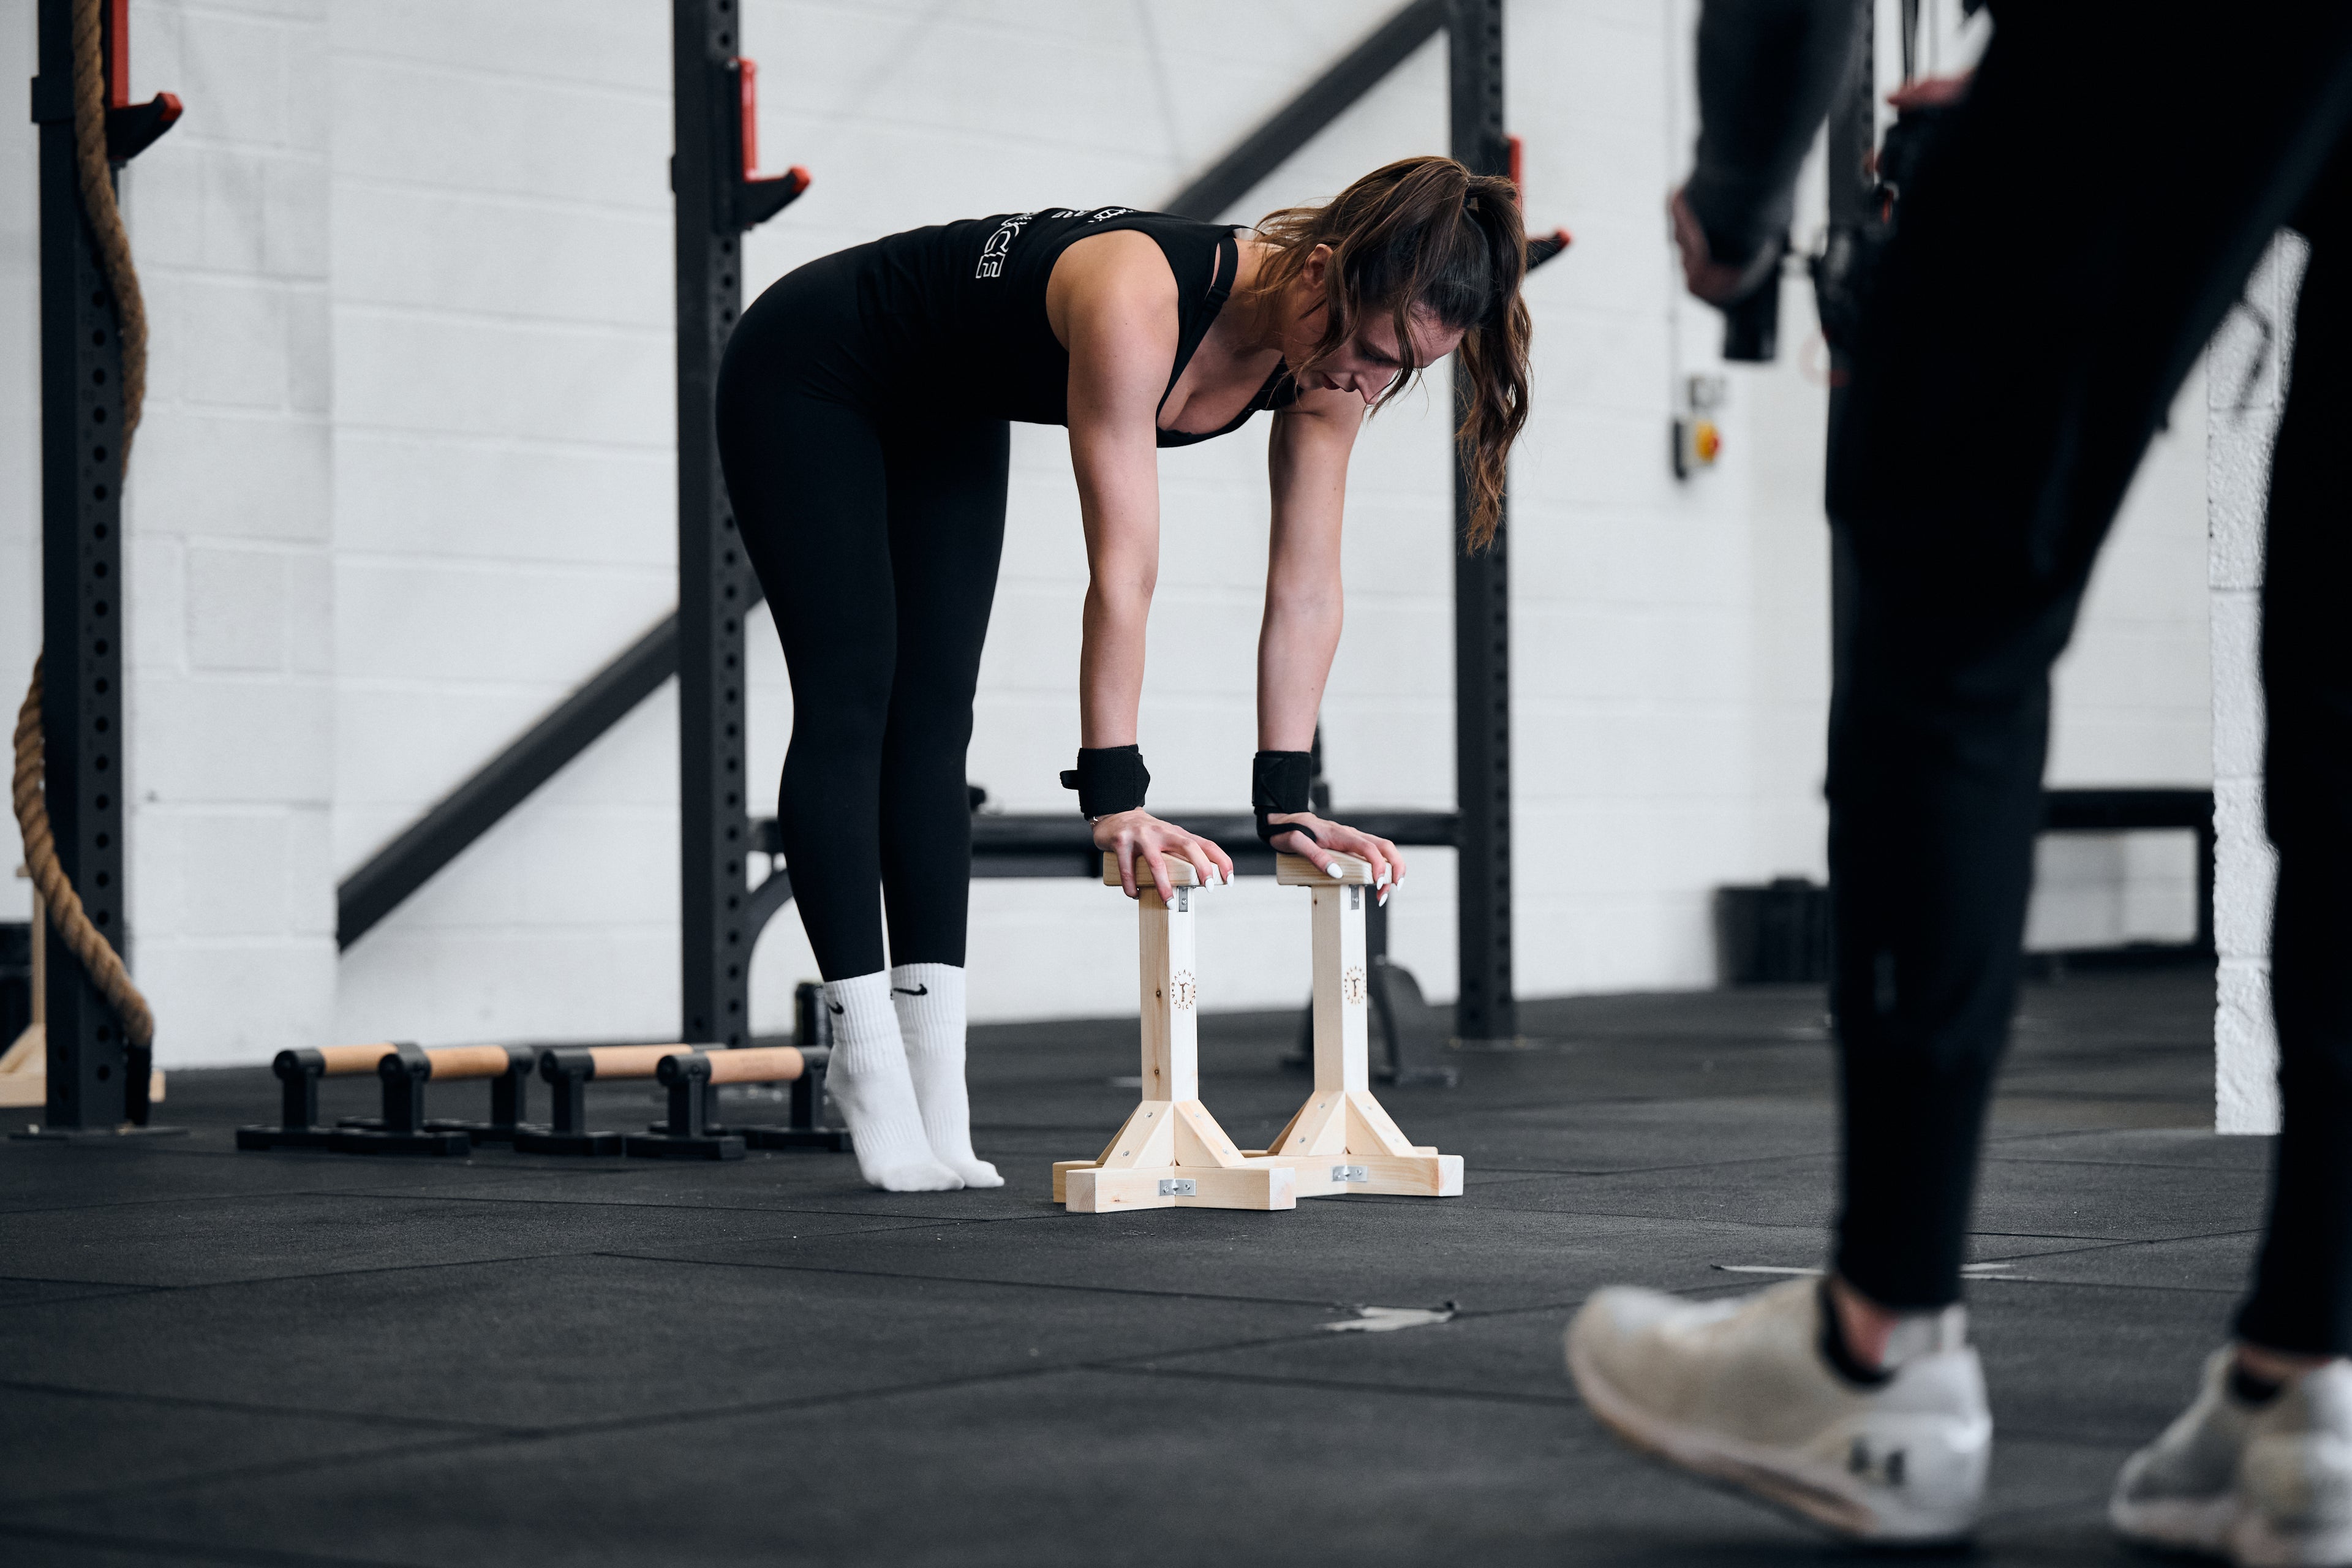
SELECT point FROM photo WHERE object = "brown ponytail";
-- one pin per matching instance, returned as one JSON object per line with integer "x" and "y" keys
{"x": 1426, "y": 233}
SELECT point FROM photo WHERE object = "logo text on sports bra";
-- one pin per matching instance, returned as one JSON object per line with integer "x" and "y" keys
{"x": 1000, "y": 244}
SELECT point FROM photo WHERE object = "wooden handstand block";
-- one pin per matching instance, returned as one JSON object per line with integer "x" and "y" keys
{"x": 452, "y": 1063}
{"x": 757, "y": 1064}
{"x": 1182, "y": 873}
{"x": 1298, "y": 871}
{"x": 343, "y": 1059}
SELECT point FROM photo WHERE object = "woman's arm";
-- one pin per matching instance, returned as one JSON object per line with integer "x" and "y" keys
{"x": 1307, "y": 470}
{"x": 1112, "y": 302}
{"x": 1119, "y": 322}
{"x": 1305, "y": 604}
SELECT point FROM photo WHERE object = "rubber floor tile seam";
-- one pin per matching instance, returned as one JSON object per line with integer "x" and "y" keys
{"x": 187, "y": 1551}
{"x": 1318, "y": 1302}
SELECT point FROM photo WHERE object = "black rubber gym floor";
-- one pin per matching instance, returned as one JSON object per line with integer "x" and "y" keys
{"x": 305, "y": 1358}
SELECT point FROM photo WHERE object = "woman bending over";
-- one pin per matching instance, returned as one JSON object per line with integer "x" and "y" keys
{"x": 863, "y": 410}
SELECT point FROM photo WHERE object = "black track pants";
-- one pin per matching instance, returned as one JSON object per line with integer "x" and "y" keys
{"x": 876, "y": 536}
{"x": 2035, "y": 318}
{"x": 2303, "y": 1284}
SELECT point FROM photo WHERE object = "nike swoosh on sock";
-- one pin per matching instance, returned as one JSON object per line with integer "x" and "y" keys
{"x": 918, "y": 991}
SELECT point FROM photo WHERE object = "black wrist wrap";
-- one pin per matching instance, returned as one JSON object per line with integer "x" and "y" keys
{"x": 1109, "y": 780}
{"x": 1281, "y": 781}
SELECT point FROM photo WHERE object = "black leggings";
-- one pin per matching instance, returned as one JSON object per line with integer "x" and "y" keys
{"x": 2030, "y": 334}
{"x": 876, "y": 534}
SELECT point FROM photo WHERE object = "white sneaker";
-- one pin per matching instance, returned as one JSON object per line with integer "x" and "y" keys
{"x": 1737, "y": 1390}
{"x": 2265, "y": 1485}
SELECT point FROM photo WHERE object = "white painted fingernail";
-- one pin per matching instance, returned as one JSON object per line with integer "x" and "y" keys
{"x": 1384, "y": 879}
{"x": 1333, "y": 868}
{"x": 1384, "y": 901}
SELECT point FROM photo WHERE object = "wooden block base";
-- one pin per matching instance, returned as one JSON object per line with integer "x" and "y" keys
{"x": 1348, "y": 1143}
{"x": 1085, "y": 1187}
{"x": 1426, "y": 1175}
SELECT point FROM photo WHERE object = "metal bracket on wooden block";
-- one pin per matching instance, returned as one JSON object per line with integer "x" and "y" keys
{"x": 1170, "y": 1152}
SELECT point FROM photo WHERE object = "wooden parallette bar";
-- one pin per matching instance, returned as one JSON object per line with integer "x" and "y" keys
{"x": 339, "y": 1061}
{"x": 692, "y": 1129}
{"x": 400, "y": 1130}
{"x": 1170, "y": 1153}
{"x": 404, "y": 1126}
{"x": 299, "y": 1072}
{"x": 403, "y": 1069}
{"x": 755, "y": 1063}
{"x": 1342, "y": 1139}
{"x": 569, "y": 1069}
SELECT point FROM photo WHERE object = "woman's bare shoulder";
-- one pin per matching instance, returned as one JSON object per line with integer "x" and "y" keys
{"x": 1124, "y": 261}
{"x": 1121, "y": 277}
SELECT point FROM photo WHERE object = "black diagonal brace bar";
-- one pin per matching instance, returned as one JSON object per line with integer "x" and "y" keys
{"x": 1263, "y": 150}
{"x": 468, "y": 812}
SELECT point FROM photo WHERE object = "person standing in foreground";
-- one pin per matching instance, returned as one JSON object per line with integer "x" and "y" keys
{"x": 2070, "y": 241}
{"x": 863, "y": 410}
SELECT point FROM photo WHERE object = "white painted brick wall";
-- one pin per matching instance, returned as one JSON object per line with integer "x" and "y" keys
{"x": 413, "y": 420}
{"x": 229, "y": 529}
{"x": 20, "y": 420}
{"x": 2247, "y": 393}
{"x": 505, "y": 499}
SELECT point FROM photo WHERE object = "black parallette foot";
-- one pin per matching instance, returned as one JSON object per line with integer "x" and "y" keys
{"x": 486, "y": 1131}
{"x": 535, "y": 1143}
{"x": 480, "y": 1131}
{"x": 358, "y": 1140}
{"x": 661, "y": 1146}
{"x": 284, "y": 1137}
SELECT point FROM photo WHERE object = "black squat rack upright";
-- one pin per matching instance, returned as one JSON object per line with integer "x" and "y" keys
{"x": 98, "y": 1083}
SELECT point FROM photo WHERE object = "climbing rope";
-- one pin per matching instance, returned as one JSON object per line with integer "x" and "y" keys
{"x": 85, "y": 940}
{"x": 82, "y": 938}
{"x": 113, "y": 245}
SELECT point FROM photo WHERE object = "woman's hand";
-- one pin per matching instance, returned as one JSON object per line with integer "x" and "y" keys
{"x": 1138, "y": 836}
{"x": 1388, "y": 866}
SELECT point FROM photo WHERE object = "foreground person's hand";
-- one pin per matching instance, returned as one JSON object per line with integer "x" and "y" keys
{"x": 1716, "y": 282}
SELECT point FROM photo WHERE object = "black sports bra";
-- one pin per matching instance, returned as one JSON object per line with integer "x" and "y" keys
{"x": 1279, "y": 391}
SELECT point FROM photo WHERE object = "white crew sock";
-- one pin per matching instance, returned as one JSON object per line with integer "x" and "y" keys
{"x": 929, "y": 999}
{"x": 868, "y": 1078}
